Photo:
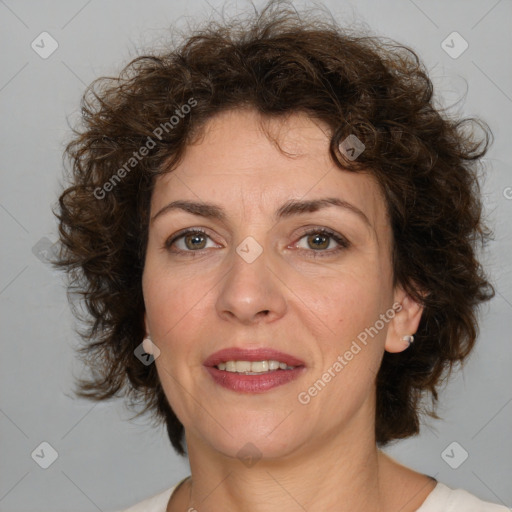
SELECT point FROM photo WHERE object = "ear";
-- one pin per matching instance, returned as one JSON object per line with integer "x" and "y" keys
{"x": 405, "y": 322}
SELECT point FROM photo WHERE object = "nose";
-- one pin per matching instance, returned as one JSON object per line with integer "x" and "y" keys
{"x": 251, "y": 292}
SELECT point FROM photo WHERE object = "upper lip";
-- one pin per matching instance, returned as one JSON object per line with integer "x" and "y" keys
{"x": 258, "y": 354}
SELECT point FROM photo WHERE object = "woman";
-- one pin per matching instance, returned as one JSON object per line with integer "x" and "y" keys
{"x": 275, "y": 233}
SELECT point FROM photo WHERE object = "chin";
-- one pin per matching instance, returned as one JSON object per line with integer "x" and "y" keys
{"x": 250, "y": 442}
{"x": 249, "y": 450}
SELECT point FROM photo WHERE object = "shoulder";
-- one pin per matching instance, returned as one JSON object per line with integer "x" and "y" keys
{"x": 156, "y": 503}
{"x": 445, "y": 499}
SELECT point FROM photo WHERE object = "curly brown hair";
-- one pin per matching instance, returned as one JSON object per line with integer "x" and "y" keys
{"x": 278, "y": 62}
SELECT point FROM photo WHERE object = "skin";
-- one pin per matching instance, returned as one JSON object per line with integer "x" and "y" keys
{"x": 321, "y": 455}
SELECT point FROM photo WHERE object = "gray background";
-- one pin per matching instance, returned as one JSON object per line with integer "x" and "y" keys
{"x": 104, "y": 461}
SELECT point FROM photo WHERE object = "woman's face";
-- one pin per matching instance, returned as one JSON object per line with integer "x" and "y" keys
{"x": 255, "y": 280}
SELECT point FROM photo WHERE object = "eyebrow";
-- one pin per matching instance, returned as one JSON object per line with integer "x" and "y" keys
{"x": 288, "y": 209}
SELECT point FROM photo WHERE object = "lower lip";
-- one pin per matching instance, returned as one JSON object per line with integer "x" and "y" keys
{"x": 254, "y": 383}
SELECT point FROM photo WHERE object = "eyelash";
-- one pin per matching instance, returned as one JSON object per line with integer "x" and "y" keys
{"x": 342, "y": 242}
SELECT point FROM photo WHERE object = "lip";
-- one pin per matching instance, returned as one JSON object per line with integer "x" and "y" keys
{"x": 259, "y": 354}
{"x": 242, "y": 383}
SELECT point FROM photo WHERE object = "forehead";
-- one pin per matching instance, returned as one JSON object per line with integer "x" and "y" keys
{"x": 243, "y": 160}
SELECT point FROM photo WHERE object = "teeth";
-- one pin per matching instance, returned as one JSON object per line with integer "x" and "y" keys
{"x": 253, "y": 367}
{"x": 273, "y": 365}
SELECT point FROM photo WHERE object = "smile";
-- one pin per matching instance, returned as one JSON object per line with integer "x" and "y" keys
{"x": 253, "y": 367}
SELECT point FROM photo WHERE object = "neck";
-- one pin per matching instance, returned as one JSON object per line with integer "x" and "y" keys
{"x": 339, "y": 472}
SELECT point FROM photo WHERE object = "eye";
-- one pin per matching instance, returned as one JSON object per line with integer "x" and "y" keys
{"x": 194, "y": 240}
{"x": 317, "y": 241}
{"x": 190, "y": 240}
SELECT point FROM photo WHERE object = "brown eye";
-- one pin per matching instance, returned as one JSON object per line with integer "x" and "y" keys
{"x": 195, "y": 241}
{"x": 188, "y": 241}
{"x": 318, "y": 241}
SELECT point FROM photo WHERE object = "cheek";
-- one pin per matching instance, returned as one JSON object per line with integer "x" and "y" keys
{"x": 351, "y": 350}
{"x": 173, "y": 308}
{"x": 351, "y": 300}
{"x": 171, "y": 297}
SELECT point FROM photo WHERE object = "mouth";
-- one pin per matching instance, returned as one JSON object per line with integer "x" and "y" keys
{"x": 253, "y": 371}
{"x": 253, "y": 367}
{"x": 261, "y": 360}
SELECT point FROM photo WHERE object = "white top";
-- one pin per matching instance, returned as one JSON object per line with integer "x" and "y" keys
{"x": 441, "y": 499}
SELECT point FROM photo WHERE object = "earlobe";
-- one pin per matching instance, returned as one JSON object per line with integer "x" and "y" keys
{"x": 403, "y": 326}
